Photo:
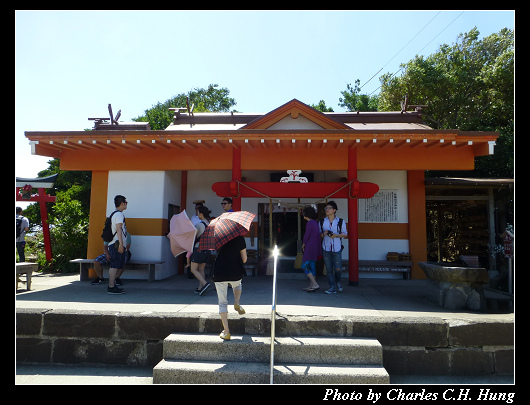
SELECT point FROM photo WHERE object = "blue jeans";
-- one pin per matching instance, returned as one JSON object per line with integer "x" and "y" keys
{"x": 333, "y": 262}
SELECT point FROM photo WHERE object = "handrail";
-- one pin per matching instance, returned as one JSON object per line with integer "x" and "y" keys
{"x": 273, "y": 313}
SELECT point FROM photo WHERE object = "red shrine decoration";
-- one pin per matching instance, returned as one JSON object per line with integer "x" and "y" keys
{"x": 24, "y": 188}
{"x": 353, "y": 189}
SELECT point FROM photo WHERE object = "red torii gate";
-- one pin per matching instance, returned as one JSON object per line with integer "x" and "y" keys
{"x": 23, "y": 191}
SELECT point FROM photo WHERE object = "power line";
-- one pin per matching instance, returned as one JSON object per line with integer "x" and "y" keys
{"x": 447, "y": 26}
{"x": 400, "y": 50}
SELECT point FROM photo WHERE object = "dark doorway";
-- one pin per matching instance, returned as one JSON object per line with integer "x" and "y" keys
{"x": 284, "y": 230}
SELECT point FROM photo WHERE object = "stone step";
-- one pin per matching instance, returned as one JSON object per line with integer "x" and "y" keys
{"x": 237, "y": 372}
{"x": 208, "y": 359}
{"x": 289, "y": 350}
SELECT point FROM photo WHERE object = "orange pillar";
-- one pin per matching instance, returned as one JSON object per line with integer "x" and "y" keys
{"x": 236, "y": 175}
{"x": 417, "y": 221}
{"x": 98, "y": 208}
{"x": 184, "y": 190}
{"x": 45, "y": 226}
{"x": 353, "y": 225}
{"x": 181, "y": 262}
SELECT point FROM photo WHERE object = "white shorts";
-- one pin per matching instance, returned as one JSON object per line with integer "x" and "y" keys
{"x": 222, "y": 292}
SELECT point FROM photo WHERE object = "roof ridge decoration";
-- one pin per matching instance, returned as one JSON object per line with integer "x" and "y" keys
{"x": 294, "y": 108}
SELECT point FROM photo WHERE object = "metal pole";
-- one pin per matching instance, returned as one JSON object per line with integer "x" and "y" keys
{"x": 273, "y": 313}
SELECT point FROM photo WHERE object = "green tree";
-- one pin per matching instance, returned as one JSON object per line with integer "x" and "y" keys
{"x": 211, "y": 99}
{"x": 66, "y": 181}
{"x": 354, "y": 101}
{"x": 321, "y": 106}
{"x": 67, "y": 217}
{"x": 468, "y": 86}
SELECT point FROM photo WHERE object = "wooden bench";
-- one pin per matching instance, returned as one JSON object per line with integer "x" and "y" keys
{"x": 150, "y": 265}
{"x": 386, "y": 266}
{"x": 470, "y": 261}
{"x": 26, "y": 268}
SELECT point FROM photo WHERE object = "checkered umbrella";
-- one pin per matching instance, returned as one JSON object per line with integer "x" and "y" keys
{"x": 224, "y": 228}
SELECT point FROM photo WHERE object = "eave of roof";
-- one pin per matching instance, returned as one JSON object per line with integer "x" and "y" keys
{"x": 394, "y": 138}
{"x": 468, "y": 182}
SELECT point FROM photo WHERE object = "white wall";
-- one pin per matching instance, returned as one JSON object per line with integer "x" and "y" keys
{"x": 200, "y": 188}
{"x": 295, "y": 123}
{"x": 376, "y": 249}
{"x": 144, "y": 191}
{"x": 148, "y": 194}
{"x": 390, "y": 180}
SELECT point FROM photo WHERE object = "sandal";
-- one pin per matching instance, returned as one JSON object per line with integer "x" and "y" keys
{"x": 239, "y": 309}
{"x": 225, "y": 336}
{"x": 310, "y": 290}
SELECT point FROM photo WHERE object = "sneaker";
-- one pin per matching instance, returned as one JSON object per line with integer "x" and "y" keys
{"x": 331, "y": 291}
{"x": 114, "y": 290}
{"x": 339, "y": 287}
{"x": 97, "y": 281}
{"x": 203, "y": 290}
{"x": 118, "y": 281}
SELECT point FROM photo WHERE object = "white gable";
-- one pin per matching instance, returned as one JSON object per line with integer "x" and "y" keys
{"x": 291, "y": 123}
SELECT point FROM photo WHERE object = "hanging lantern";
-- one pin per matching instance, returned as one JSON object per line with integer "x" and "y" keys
{"x": 26, "y": 192}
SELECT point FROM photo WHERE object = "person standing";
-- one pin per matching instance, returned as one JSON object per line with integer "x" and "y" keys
{"x": 195, "y": 218}
{"x": 104, "y": 259}
{"x": 332, "y": 229}
{"x": 199, "y": 258}
{"x": 228, "y": 269}
{"x": 227, "y": 204}
{"x": 117, "y": 249}
{"x": 311, "y": 247}
{"x": 21, "y": 227}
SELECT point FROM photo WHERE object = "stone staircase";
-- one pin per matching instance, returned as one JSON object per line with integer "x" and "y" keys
{"x": 207, "y": 359}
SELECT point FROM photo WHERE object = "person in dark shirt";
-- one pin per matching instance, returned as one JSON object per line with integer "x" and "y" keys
{"x": 228, "y": 269}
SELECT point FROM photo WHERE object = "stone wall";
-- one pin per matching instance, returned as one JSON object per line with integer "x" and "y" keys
{"x": 428, "y": 346}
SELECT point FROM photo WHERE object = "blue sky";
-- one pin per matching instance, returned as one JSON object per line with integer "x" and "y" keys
{"x": 70, "y": 64}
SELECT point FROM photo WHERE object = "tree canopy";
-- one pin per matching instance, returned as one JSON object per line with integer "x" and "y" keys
{"x": 468, "y": 85}
{"x": 211, "y": 99}
{"x": 353, "y": 100}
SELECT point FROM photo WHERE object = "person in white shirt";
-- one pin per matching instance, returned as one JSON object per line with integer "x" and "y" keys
{"x": 117, "y": 250}
{"x": 21, "y": 227}
{"x": 195, "y": 218}
{"x": 332, "y": 229}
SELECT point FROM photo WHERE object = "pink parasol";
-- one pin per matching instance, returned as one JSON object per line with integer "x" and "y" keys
{"x": 224, "y": 228}
{"x": 181, "y": 234}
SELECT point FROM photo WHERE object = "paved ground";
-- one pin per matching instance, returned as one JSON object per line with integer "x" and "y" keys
{"x": 373, "y": 297}
{"x": 91, "y": 375}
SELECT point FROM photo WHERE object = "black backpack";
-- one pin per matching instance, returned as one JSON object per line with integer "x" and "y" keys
{"x": 107, "y": 234}
{"x": 18, "y": 226}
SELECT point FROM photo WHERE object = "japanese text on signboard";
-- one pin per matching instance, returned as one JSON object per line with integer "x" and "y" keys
{"x": 382, "y": 207}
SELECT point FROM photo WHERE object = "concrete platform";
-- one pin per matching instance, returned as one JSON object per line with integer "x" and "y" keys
{"x": 373, "y": 297}
{"x": 51, "y": 374}
{"x": 64, "y": 320}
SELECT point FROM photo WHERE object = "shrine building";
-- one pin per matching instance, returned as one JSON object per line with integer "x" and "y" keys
{"x": 370, "y": 163}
